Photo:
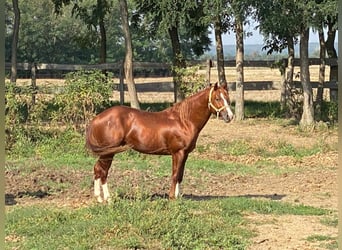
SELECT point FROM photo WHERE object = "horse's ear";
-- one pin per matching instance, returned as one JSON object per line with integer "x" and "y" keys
{"x": 216, "y": 85}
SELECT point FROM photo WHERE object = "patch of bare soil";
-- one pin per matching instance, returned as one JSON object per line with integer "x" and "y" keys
{"x": 288, "y": 232}
{"x": 310, "y": 180}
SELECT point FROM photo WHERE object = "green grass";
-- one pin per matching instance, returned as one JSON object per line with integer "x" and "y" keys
{"x": 156, "y": 224}
{"x": 134, "y": 220}
{"x": 268, "y": 148}
{"x": 326, "y": 242}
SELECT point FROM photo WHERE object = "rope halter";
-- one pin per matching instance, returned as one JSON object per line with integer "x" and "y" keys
{"x": 211, "y": 105}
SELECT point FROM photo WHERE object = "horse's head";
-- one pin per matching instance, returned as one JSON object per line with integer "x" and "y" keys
{"x": 219, "y": 101}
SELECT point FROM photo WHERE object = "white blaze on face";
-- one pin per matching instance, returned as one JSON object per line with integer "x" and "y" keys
{"x": 229, "y": 111}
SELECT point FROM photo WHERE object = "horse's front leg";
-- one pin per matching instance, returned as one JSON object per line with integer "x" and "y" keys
{"x": 178, "y": 163}
{"x": 101, "y": 169}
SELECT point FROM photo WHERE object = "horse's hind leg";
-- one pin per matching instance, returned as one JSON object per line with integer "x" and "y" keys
{"x": 178, "y": 164}
{"x": 101, "y": 169}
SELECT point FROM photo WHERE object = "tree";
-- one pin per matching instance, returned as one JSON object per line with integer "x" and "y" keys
{"x": 321, "y": 76}
{"x": 128, "y": 64}
{"x": 15, "y": 39}
{"x": 241, "y": 9}
{"x": 173, "y": 17}
{"x": 308, "y": 108}
{"x": 219, "y": 16}
{"x": 330, "y": 14}
{"x": 219, "y": 49}
{"x": 43, "y": 35}
{"x": 279, "y": 22}
{"x": 93, "y": 16}
{"x": 239, "y": 100}
{"x": 307, "y": 9}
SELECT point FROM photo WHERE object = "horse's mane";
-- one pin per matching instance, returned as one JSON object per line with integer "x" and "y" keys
{"x": 185, "y": 107}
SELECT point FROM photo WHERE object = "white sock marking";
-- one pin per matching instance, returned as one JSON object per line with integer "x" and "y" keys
{"x": 105, "y": 190}
{"x": 97, "y": 189}
{"x": 177, "y": 190}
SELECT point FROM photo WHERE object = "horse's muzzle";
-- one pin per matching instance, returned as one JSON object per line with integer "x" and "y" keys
{"x": 227, "y": 118}
{"x": 227, "y": 115}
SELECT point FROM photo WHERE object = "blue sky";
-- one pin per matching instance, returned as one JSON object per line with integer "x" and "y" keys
{"x": 256, "y": 38}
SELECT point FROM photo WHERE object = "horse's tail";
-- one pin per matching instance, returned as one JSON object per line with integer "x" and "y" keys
{"x": 101, "y": 150}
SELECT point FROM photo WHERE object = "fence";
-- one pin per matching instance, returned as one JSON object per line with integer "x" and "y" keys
{"x": 148, "y": 69}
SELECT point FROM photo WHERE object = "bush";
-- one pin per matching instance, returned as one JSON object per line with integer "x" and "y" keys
{"x": 329, "y": 112}
{"x": 16, "y": 113}
{"x": 190, "y": 80}
{"x": 85, "y": 94}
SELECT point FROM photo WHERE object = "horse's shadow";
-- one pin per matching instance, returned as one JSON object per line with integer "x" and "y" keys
{"x": 10, "y": 199}
{"x": 274, "y": 197}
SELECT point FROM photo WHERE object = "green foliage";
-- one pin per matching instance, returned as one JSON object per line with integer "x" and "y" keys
{"x": 190, "y": 80}
{"x": 46, "y": 38}
{"x": 19, "y": 111}
{"x": 255, "y": 109}
{"x": 85, "y": 94}
{"x": 330, "y": 112}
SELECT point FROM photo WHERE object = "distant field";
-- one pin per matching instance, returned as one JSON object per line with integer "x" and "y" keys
{"x": 250, "y": 74}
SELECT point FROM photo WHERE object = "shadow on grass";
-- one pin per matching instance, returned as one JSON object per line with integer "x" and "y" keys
{"x": 274, "y": 197}
{"x": 10, "y": 198}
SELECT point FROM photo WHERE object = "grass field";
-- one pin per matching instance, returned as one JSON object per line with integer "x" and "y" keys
{"x": 234, "y": 188}
{"x": 262, "y": 183}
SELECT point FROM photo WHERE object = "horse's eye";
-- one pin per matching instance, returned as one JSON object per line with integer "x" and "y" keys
{"x": 217, "y": 99}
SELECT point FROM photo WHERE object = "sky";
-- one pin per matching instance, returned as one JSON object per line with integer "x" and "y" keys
{"x": 256, "y": 38}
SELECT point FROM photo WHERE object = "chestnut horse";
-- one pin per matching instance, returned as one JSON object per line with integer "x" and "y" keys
{"x": 173, "y": 131}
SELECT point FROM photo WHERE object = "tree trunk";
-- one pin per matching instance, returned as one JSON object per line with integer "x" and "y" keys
{"x": 283, "y": 93}
{"x": 239, "y": 100}
{"x": 128, "y": 65}
{"x": 290, "y": 61}
{"x": 15, "y": 41}
{"x": 331, "y": 51}
{"x": 219, "y": 51}
{"x": 178, "y": 62}
{"x": 321, "y": 76}
{"x": 308, "y": 109}
{"x": 103, "y": 42}
{"x": 290, "y": 100}
{"x": 330, "y": 42}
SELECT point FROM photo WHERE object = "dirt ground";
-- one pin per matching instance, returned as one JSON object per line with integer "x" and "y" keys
{"x": 309, "y": 181}
{"x": 312, "y": 181}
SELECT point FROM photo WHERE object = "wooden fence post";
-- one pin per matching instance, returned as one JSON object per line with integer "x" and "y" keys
{"x": 209, "y": 65}
{"x": 121, "y": 84}
{"x": 33, "y": 82}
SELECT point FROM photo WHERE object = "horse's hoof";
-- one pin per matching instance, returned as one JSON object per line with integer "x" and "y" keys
{"x": 108, "y": 201}
{"x": 99, "y": 199}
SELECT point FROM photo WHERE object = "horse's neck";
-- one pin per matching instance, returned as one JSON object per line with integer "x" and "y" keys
{"x": 195, "y": 109}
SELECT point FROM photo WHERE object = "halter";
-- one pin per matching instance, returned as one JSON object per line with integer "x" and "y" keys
{"x": 210, "y": 105}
